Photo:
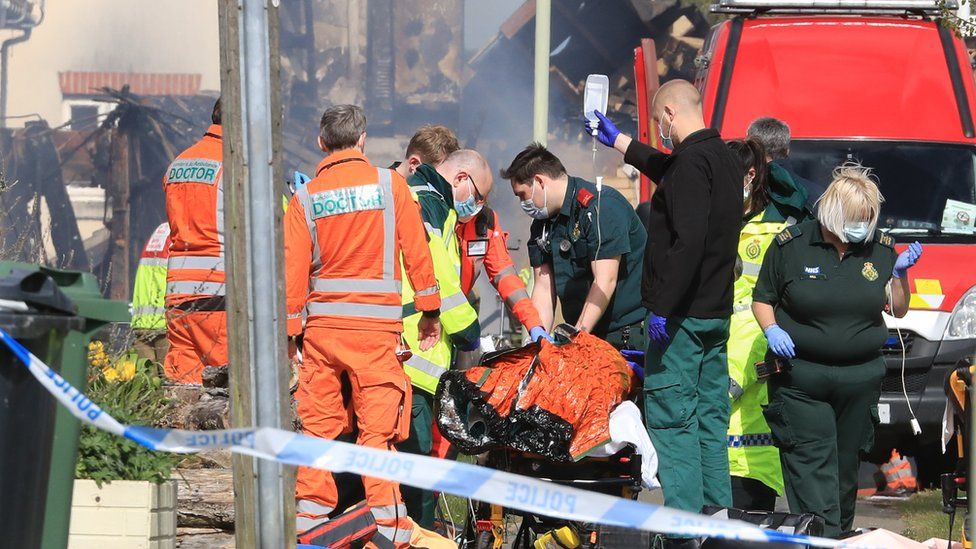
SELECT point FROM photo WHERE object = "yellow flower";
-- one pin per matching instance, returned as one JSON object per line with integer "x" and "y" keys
{"x": 111, "y": 375}
{"x": 126, "y": 369}
{"x": 96, "y": 355}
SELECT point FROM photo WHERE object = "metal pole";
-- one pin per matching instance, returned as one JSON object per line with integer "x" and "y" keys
{"x": 540, "y": 119}
{"x": 266, "y": 341}
{"x": 4, "y": 60}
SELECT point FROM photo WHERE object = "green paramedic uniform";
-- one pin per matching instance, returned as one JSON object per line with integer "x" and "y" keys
{"x": 459, "y": 322}
{"x": 586, "y": 228}
{"x": 822, "y": 412}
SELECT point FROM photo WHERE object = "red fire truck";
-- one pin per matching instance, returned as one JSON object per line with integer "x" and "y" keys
{"x": 886, "y": 84}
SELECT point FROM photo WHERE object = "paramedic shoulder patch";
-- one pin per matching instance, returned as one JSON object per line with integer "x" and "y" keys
{"x": 193, "y": 170}
{"x": 346, "y": 200}
{"x": 788, "y": 234}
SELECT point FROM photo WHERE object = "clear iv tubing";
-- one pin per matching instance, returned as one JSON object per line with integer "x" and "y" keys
{"x": 599, "y": 193}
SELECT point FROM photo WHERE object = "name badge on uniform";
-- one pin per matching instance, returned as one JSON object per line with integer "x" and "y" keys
{"x": 814, "y": 273}
{"x": 477, "y": 248}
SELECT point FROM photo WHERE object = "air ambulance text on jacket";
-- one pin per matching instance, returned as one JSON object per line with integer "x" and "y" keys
{"x": 193, "y": 170}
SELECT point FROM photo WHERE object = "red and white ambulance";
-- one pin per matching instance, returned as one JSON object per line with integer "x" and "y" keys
{"x": 884, "y": 83}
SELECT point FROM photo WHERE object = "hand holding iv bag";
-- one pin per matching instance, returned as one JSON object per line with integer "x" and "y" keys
{"x": 595, "y": 97}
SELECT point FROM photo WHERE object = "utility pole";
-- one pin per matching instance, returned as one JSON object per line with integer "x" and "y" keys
{"x": 251, "y": 105}
{"x": 540, "y": 118}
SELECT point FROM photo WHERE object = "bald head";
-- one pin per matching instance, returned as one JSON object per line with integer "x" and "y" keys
{"x": 677, "y": 107}
{"x": 678, "y": 93}
{"x": 463, "y": 166}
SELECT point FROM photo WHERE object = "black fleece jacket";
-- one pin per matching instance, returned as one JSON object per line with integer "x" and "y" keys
{"x": 693, "y": 231}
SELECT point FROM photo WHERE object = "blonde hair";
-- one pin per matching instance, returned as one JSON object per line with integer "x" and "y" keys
{"x": 853, "y": 194}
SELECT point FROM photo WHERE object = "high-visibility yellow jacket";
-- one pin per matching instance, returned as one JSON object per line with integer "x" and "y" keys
{"x": 149, "y": 293}
{"x": 459, "y": 320}
{"x": 751, "y": 451}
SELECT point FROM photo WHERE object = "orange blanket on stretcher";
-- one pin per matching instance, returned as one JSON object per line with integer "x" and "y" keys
{"x": 579, "y": 382}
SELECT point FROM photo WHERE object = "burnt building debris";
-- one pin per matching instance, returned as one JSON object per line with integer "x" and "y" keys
{"x": 402, "y": 60}
{"x": 133, "y": 146}
{"x": 587, "y": 37}
{"x": 32, "y": 183}
{"x": 126, "y": 155}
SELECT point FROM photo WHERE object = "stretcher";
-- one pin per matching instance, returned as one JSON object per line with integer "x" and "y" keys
{"x": 494, "y": 416}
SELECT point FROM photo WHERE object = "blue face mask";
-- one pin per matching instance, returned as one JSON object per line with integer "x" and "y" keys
{"x": 533, "y": 211}
{"x": 856, "y": 232}
{"x": 468, "y": 208}
{"x": 666, "y": 142}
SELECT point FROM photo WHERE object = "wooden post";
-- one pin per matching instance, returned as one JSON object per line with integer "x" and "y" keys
{"x": 238, "y": 354}
{"x": 119, "y": 234}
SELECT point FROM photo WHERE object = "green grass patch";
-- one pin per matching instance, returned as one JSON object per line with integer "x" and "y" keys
{"x": 924, "y": 518}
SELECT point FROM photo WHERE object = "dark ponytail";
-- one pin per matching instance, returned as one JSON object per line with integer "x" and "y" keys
{"x": 752, "y": 155}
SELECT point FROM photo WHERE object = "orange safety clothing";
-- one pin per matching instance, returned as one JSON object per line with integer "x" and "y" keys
{"x": 381, "y": 397}
{"x": 196, "y": 339}
{"x": 195, "y": 290}
{"x": 344, "y": 234}
{"x": 898, "y": 473}
{"x": 195, "y": 208}
{"x": 483, "y": 242}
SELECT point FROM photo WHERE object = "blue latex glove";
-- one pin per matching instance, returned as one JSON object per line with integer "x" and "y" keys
{"x": 635, "y": 359}
{"x": 300, "y": 179}
{"x": 780, "y": 342}
{"x": 606, "y": 131}
{"x": 471, "y": 346}
{"x": 656, "y": 330}
{"x": 907, "y": 259}
{"x": 537, "y": 333}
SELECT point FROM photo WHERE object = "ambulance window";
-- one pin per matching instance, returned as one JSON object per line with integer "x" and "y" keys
{"x": 916, "y": 179}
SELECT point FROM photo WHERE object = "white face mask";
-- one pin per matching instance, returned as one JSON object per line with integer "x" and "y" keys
{"x": 745, "y": 193}
{"x": 666, "y": 142}
{"x": 856, "y": 232}
{"x": 533, "y": 211}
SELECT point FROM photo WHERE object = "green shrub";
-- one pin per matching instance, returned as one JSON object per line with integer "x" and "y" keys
{"x": 131, "y": 391}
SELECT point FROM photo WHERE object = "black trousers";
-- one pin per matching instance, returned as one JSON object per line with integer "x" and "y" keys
{"x": 750, "y": 494}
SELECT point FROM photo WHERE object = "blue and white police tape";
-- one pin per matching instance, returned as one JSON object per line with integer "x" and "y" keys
{"x": 461, "y": 479}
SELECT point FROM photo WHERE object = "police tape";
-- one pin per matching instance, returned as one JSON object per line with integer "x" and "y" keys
{"x": 461, "y": 479}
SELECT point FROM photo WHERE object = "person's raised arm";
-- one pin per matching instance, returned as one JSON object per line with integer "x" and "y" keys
{"x": 645, "y": 158}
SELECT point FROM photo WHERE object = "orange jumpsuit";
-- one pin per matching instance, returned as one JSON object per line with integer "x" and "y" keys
{"x": 483, "y": 241}
{"x": 345, "y": 232}
{"x": 196, "y": 317}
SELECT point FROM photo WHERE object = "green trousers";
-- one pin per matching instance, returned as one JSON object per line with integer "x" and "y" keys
{"x": 822, "y": 418}
{"x": 420, "y": 503}
{"x": 686, "y": 404}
